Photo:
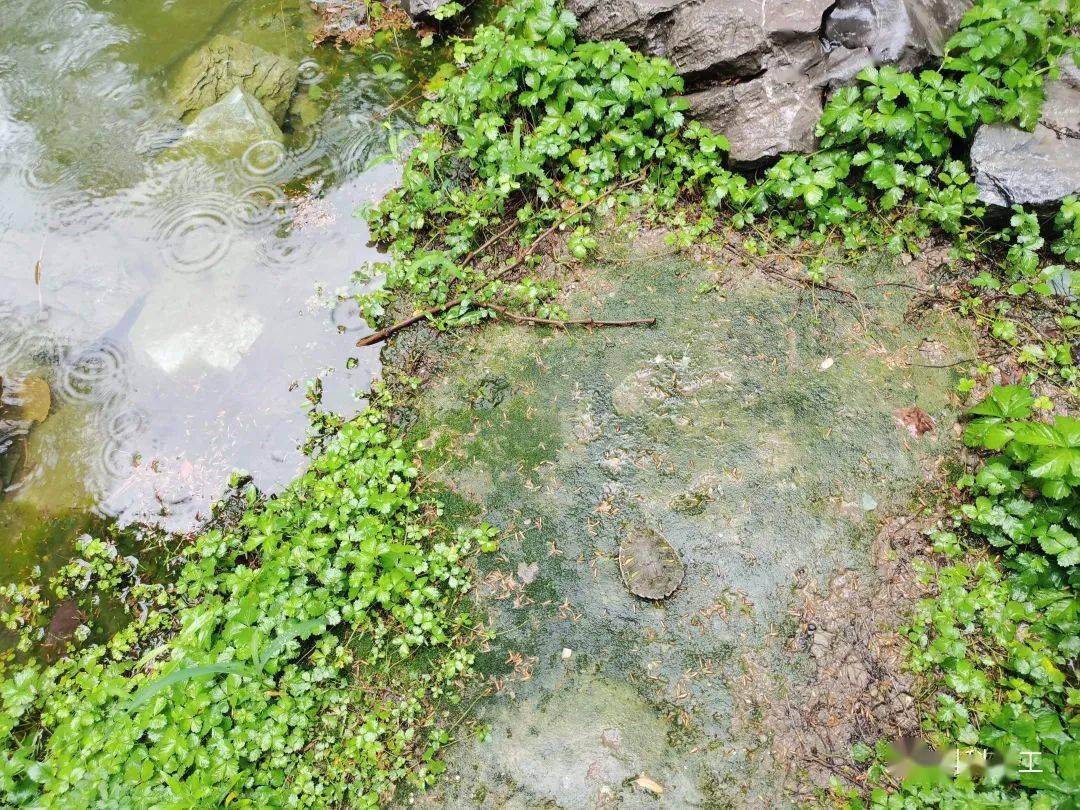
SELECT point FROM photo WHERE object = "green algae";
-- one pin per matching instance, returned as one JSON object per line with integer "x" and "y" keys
{"x": 769, "y": 410}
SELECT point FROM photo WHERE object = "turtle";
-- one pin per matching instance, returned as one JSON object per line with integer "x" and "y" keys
{"x": 650, "y": 566}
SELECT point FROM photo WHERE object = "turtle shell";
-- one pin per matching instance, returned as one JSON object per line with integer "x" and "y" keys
{"x": 650, "y": 566}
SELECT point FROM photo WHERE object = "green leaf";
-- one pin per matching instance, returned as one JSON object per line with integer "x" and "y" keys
{"x": 990, "y": 433}
{"x": 1006, "y": 402}
{"x": 158, "y": 685}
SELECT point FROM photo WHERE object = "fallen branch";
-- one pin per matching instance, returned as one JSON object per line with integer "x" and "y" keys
{"x": 585, "y": 322}
{"x": 393, "y": 329}
{"x": 962, "y": 361}
{"x": 494, "y": 237}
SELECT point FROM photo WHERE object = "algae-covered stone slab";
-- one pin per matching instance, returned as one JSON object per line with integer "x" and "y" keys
{"x": 649, "y": 565}
{"x": 226, "y": 63}
{"x": 724, "y": 429}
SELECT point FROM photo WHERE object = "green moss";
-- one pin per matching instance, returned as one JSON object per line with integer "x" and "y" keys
{"x": 725, "y": 399}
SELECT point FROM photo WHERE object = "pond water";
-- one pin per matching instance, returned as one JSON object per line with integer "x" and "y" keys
{"x": 175, "y": 301}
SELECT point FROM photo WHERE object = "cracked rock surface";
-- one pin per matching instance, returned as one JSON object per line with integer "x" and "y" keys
{"x": 226, "y": 63}
{"x": 1037, "y": 168}
{"x": 758, "y": 70}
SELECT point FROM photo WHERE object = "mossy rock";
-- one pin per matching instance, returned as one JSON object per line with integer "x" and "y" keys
{"x": 229, "y": 127}
{"x": 226, "y": 63}
{"x": 650, "y": 566}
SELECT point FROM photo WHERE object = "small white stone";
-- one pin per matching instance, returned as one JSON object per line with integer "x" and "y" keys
{"x": 826, "y": 364}
{"x": 566, "y": 653}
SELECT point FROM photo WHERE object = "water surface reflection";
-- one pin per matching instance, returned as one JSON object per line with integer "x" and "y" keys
{"x": 175, "y": 301}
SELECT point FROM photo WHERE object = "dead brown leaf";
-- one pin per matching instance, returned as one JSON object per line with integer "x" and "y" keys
{"x": 914, "y": 419}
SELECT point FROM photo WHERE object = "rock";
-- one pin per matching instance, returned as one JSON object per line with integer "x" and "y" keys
{"x": 900, "y": 32}
{"x": 649, "y": 565}
{"x": 715, "y": 40}
{"x": 226, "y": 63}
{"x": 763, "y": 117}
{"x": 1036, "y": 169}
{"x": 35, "y": 400}
{"x": 12, "y": 451}
{"x": 628, "y": 20}
{"x": 759, "y": 71}
{"x": 230, "y": 126}
{"x": 1061, "y": 109}
{"x": 701, "y": 39}
{"x": 422, "y": 8}
{"x": 343, "y": 20}
{"x": 788, "y": 21}
{"x": 190, "y": 328}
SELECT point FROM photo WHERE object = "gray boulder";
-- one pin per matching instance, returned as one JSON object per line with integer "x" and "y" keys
{"x": 226, "y": 63}
{"x": 422, "y": 8}
{"x": 715, "y": 40}
{"x": 763, "y": 117}
{"x": 900, "y": 32}
{"x": 759, "y": 70}
{"x": 1035, "y": 169}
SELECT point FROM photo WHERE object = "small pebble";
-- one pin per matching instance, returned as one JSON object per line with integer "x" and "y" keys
{"x": 566, "y": 653}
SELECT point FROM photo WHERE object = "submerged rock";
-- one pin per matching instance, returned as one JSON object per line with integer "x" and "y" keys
{"x": 189, "y": 328}
{"x": 649, "y": 565}
{"x": 1038, "y": 169}
{"x": 22, "y": 405}
{"x": 226, "y": 63}
{"x": 759, "y": 71}
{"x": 12, "y": 451}
{"x": 35, "y": 400}
{"x": 65, "y": 621}
{"x": 231, "y": 125}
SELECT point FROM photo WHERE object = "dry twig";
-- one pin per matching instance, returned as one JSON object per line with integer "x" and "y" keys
{"x": 383, "y": 334}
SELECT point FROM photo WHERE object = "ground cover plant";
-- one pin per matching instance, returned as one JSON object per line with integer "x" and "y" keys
{"x": 999, "y": 637}
{"x": 304, "y": 656}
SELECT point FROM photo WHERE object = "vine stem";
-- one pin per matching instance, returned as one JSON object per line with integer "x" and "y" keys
{"x": 393, "y": 329}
